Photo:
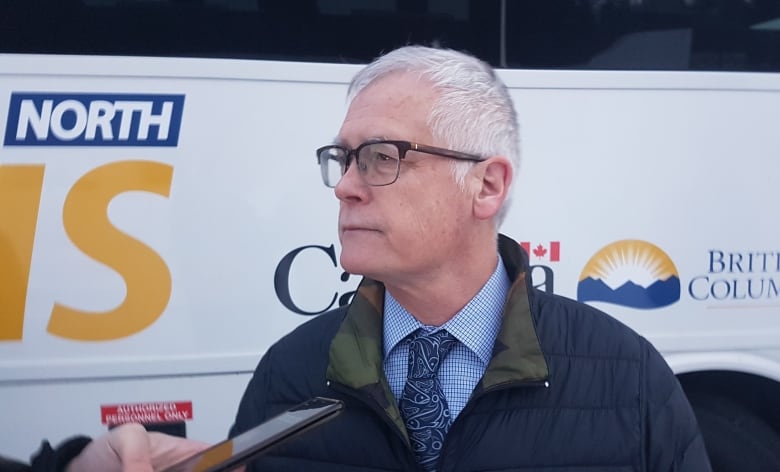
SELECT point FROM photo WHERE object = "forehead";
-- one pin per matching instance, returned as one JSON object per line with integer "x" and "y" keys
{"x": 396, "y": 106}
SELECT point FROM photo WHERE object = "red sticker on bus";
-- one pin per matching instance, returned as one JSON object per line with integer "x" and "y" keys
{"x": 146, "y": 413}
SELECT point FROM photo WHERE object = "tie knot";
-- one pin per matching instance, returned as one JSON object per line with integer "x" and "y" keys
{"x": 427, "y": 351}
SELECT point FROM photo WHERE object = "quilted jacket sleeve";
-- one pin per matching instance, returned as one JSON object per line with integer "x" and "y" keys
{"x": 50, "y": 459}
{"x": 253, "y": 405}
{"x": 674, "y": 442}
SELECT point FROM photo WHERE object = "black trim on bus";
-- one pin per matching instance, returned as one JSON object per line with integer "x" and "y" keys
{"x": 717, "y": 35}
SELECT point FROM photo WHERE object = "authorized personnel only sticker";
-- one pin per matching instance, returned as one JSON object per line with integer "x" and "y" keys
{"x": 146, "y": 413}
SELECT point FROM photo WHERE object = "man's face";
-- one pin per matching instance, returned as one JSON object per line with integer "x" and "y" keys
{"x": 409, "y": 231}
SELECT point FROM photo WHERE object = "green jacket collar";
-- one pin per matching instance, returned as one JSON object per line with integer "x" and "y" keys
{"x": 355, "y": 358}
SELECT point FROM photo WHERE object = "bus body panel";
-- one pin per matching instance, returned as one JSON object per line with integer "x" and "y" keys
{"x": 159, "y": 272}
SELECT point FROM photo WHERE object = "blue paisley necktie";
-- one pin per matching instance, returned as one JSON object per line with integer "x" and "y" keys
{"x": 422, "y": 404}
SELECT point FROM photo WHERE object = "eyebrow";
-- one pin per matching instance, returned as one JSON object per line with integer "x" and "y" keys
{"x": 340, "y": 142}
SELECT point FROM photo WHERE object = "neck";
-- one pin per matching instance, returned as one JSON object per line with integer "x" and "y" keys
{"x": 435, "y": 297}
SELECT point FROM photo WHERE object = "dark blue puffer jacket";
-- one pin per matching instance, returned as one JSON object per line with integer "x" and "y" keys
{"x": 568, "y": 389}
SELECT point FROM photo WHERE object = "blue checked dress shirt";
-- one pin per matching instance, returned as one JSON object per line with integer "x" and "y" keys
{"x": 475, "y": 327}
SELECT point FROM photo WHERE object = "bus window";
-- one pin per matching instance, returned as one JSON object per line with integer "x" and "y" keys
{"x": 340, "y": 31}
{"x": 729, "y": 35}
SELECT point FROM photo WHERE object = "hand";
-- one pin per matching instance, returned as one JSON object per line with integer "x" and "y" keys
{"x": 130, "y": 448}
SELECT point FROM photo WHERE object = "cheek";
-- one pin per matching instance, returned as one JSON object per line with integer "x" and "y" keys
{"x": 432, "y": 207}
{"x": 408, "y": 222}
{"x": 439, "y": 215}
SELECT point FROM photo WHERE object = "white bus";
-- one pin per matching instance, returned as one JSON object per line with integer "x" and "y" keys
{"x": 162, "y": 219}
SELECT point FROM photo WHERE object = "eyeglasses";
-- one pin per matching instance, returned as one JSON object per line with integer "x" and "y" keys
{"x": 378, "y": 162}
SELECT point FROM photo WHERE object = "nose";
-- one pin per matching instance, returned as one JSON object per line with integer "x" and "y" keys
{"x": 351, "y": 186}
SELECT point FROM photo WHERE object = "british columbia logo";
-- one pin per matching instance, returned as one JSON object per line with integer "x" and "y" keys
{"x": 630, "y": 273}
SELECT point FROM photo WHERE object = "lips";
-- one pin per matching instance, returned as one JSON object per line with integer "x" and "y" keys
{"x": 347, "y": 228}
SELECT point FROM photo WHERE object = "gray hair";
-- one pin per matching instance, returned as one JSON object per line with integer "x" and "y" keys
{"x": 473, "y": 113}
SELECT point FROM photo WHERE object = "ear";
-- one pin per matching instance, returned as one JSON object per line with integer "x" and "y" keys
{"x": 493, "y": 179}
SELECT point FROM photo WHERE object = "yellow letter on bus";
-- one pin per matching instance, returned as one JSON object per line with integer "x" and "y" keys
{"x": 20, "y": 196}
{"x": 146, "y": 276}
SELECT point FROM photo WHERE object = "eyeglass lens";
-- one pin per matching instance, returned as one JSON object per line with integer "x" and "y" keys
{"x": 378, "y": 163}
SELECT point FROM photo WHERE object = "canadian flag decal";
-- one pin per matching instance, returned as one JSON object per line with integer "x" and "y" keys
{"x": 552, "y": 252}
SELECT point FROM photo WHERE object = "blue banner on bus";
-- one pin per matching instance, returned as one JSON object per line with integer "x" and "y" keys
{"x": 74, "y": 119}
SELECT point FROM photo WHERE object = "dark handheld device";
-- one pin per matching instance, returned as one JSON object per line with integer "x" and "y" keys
{"x": 239, "y": 450}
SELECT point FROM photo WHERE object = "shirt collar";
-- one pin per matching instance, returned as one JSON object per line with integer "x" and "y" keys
{"x": 476, "y": 325}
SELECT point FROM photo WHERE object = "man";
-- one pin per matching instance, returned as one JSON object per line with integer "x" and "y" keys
{"x": 448, "y": 359}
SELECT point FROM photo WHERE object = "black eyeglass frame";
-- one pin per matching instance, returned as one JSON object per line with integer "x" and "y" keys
{"x": 402, "y": 146}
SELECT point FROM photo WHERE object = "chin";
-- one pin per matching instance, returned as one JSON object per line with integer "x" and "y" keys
{"x": 357, "y": 262}
{"x": 353, "y": 266}
{"x": 364, "y": 252}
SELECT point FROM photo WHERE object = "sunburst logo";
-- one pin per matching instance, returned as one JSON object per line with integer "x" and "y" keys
{"x": 630, "y": 273}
